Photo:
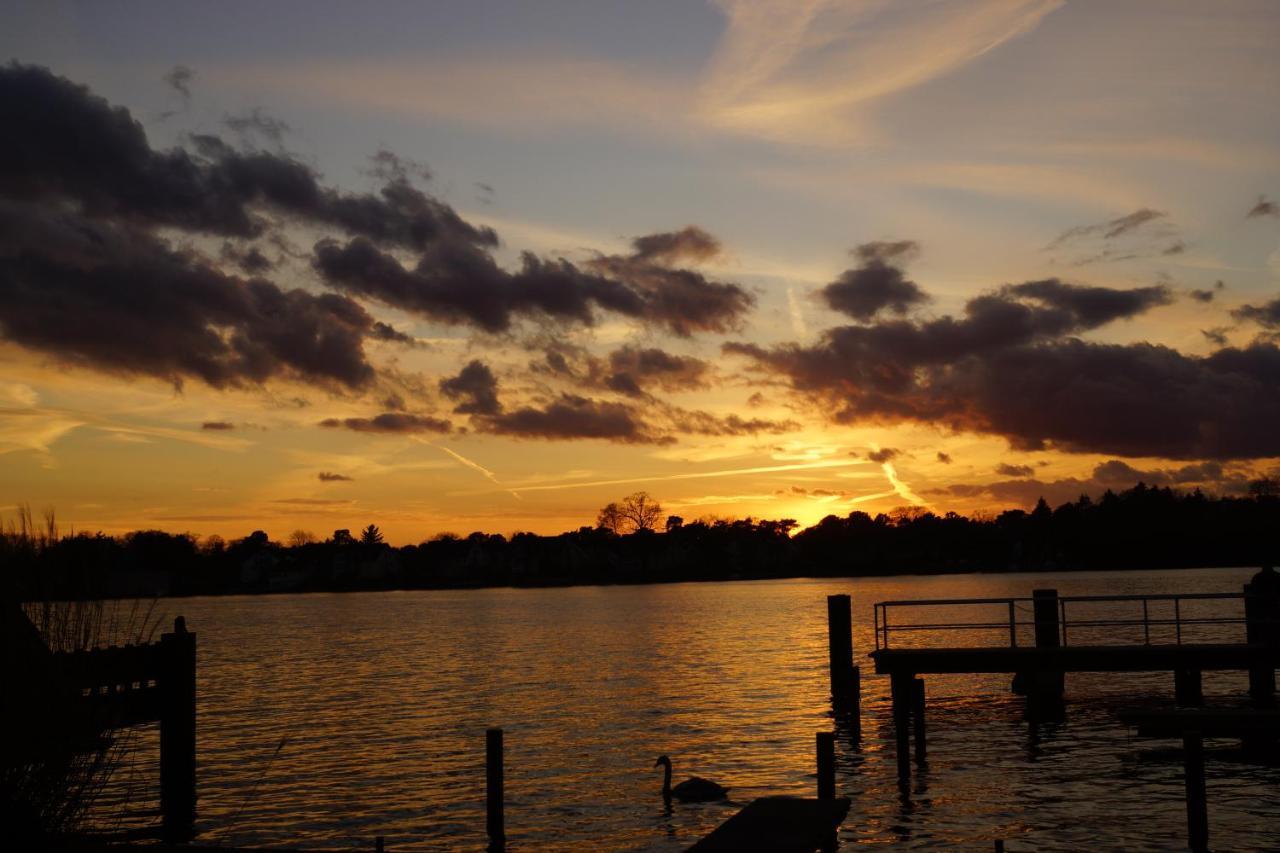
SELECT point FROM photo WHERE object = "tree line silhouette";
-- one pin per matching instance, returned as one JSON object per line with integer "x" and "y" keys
{"x": 1139, "y": 528}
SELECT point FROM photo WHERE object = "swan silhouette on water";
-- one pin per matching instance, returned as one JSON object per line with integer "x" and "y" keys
{"x": 692, "y": 790}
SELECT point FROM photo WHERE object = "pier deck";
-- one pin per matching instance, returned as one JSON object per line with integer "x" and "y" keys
{"x": 1109, "y": 658}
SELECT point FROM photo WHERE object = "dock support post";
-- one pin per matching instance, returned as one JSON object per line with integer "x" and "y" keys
{"x": 1188, "y": 688}
{"x": 1046, "y": 685}
{"x": 846, "y": 679}
{"x": 917, "y": 718}
{"x": 495, "y": 823}
{"x": 1258, "y": 629}
{"x": 1197, "y": 806}
{"x": 900, "y": 686}
{"x": 826, "y": 765}
{"x": 177, "y": 686}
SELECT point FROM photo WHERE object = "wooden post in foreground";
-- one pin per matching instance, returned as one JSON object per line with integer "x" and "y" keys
{"x": 826, "y": 765}
{"x": 495, "y": 823}
{"x": 177, "y": 686}
{"x": 846, "y": 679}
{"x": 1197, "y": 806}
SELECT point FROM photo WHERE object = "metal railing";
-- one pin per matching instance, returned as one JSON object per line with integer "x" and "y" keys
{"x": 1009, "y": 625}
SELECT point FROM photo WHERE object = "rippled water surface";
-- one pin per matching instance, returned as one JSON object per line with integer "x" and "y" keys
{"x": 326, "y": 720}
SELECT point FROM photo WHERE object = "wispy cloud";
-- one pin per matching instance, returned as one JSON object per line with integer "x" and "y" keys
{"x": 805, "y": 71}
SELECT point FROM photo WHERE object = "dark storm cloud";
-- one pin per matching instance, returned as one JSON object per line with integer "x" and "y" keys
{"x": 682, "y": 300}
{"x": 476, "y": 388}
{"x": 695, "y": 422}
{"x": 1266, "y": 315}
{"x": 690, "y": 243}
{"x": 1011, "y": 367}
{"x": 631, "y": 370}
{"x": 74, "y": 147}
{"x": 1264, "y": 207}
{"x": 390, "y": 422}
{"x": 217, "y": 425}
{"x": 1004, "y": 469}
{"x": 1208, "y": 294}
{"x": 570, "y": 416}
{"x": 117, "y": 299}
{"x": 1217, "y": 335}
{"x": 877, "y": 285}
{"x": 458, "y": 282}
{"x": 329, "y": 477}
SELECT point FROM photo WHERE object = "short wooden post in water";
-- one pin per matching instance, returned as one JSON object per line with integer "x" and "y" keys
{"x": 495, "y": 823}
{"x": 1197, "y": 805}
{"x": 900, "y": 686}
{"x": 379, "y": 845}
{"x": 1188, "y": 687}
{"x": 917, "y": 718}
{"x": 826, "y": 765}
{"x": 177, "y": 686}
{"x": 846, "y": 679}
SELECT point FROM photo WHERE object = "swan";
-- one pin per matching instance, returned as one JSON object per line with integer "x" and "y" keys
{"x": 692, "y": 790}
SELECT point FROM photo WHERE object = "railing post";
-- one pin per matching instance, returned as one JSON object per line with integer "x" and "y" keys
{"x": 495, "y": 823}
{"x": 1188, "y": 689}
{"x": 1013, "y": 625}
{"x": 177, "y": 687}
{"x": 846, "y": 679}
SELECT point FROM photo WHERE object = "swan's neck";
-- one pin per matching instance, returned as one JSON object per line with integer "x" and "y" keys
{"x": 666, "y": 780}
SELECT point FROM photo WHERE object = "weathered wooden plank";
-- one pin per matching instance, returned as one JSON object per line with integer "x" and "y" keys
{"x": 778, "y": 824}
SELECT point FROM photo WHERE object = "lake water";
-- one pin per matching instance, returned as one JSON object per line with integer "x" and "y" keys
{"x": 326, "y": 720}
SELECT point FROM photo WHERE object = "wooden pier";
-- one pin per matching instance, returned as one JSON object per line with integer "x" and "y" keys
{"x": 1245, "y": 641}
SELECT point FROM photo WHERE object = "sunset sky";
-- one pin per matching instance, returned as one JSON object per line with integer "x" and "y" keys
{"x": 488, "y": 266}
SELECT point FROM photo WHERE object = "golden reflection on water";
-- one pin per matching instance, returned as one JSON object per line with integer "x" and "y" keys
{"x": 381, "y": 701}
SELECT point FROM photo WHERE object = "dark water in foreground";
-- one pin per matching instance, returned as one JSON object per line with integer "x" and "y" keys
{"x": 382, "y": 700}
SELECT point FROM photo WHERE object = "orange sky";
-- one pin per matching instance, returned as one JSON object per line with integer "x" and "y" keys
{"x": 752, "y": 259}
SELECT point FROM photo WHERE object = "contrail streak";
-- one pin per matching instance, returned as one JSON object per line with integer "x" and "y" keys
{"x": 767, "y": 469}
{"x": 474, "y": 466}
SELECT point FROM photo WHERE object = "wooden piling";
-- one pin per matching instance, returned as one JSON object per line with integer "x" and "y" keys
{"x": 1046, "y": 684}
{"x": 177, "y": 685}
{"x": 846, "y": 679}
{"x": 1188, "y": 688}
{"x": 1197, "y": 805}
{"x": 495, "y": 822}
{"x": 1262, "y": 676}
{"x": 917, "y": 718}
{"x": 379, "y": 845}
{"x": 826, "y": 742}
{"x": 900, "y": 686}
